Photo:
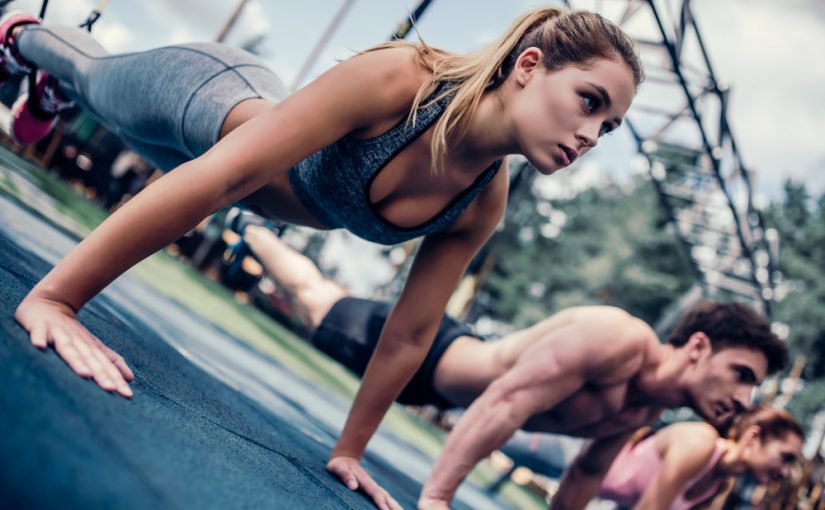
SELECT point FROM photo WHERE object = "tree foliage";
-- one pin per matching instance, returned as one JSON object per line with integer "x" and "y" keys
{"x": 801, "y": 225}
{"x": 608, "y": 245}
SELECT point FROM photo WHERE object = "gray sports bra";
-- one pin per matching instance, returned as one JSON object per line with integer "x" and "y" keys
{"x": 333, "y": 183}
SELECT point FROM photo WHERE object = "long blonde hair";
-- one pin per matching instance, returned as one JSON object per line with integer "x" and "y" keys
{"x": 563, "y": 37}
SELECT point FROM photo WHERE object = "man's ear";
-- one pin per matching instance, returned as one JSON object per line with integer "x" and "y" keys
{"x": 527, "y": 63}
{"x": 699, "y": 346}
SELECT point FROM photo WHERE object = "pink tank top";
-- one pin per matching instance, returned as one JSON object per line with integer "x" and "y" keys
{"x": 637, "y": 465}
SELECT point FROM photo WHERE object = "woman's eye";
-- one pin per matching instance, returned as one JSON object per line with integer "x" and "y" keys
{"x": 605, "y": 130}
{"x": 591, "y": 102}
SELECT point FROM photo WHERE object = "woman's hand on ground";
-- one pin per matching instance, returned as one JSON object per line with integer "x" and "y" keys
{"x": 350, "y": 472}
{"x": 52, "y": 323}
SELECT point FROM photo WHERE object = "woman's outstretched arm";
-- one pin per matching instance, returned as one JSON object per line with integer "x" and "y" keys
{"x": 352, "y": 95}
{"x": 409, "y": 332}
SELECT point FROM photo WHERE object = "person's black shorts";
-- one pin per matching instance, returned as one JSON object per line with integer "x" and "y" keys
{"x": 349, "y": 334}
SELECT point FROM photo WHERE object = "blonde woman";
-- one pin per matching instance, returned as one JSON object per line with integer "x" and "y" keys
{"x": 686, "y": 464}
{"x": 398, "y": 142}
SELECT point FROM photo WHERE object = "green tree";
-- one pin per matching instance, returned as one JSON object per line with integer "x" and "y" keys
{"x": 608, "y": 245}
{"x": 801, "y": 226}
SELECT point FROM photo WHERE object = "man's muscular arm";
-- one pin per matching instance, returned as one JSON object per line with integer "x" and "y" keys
{"x": 536, "y": 383}
{"x": 547, "y": 373}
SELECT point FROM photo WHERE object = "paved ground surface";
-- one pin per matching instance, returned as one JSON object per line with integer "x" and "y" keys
{"x": 213, "y": 424}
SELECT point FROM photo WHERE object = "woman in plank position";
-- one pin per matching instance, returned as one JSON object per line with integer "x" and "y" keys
{"x": 398, "y": 142}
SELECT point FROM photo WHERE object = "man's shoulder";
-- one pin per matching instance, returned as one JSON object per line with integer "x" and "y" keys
{"x": 612, "y": 335}
{"x": 593, "y": 341}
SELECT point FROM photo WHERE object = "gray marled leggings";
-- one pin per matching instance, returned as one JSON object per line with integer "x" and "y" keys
{"x": 168, "y": 103}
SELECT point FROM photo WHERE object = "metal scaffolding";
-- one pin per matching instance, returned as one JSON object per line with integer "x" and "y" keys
{"x": 680, "y": 125}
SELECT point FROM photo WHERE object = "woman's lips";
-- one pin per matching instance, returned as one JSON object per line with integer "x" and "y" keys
{"x": 567, "y": 154}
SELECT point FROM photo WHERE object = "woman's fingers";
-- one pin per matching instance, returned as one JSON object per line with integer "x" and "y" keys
{"x": 115, "y": 358}
{"x": 349, "y": 471}
{"x": 39, "y": 336}
{"x": 340, "y": 469}
{"x": 50, "y": 322}
{"x": 99, "y": 371}
{"x": 83, "y": 355}
{"x": 112, "y": 372}
{"x": 65, "y": 347}
{"x": 380, "y": 497}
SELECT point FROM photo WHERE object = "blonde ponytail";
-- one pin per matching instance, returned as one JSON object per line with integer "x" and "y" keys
{"x": 564, "y": 38}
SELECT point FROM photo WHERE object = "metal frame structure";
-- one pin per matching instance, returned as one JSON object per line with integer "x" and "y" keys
{"x": 680, "y": 125}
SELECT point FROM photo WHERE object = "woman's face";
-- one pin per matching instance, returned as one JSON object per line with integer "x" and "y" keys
{"x": 559, "y": 115}
{"x": 774, "y": 457}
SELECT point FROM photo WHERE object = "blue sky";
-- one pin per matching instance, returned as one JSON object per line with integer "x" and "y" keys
{"x": 767, "y": 50}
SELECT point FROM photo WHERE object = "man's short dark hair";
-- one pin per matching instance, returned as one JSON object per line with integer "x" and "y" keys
{"x": 732, "y": 324}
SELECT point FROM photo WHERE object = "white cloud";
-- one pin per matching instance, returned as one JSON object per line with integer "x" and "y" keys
{"x": 115, "y": 37}
{"x": 770, "y": 53}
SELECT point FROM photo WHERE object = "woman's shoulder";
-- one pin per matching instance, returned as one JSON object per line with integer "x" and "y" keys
{"x": 375, "y": 88}
{"x": 697, "y": 437}
{"x": 392, "y": 73}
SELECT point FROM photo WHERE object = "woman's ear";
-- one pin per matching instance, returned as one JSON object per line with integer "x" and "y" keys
{"x": 527, "y": 63}
{"x": 752, "y": 435}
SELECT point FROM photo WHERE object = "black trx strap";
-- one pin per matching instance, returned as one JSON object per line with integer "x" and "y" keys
{"x": 33, "y": 73}
{"x": 94, "y": 15}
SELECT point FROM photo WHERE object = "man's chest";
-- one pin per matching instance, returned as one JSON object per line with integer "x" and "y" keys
{"x": 592, "y": 412}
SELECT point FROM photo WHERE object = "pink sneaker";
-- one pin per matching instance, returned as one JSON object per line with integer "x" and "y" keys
{"x": 11, "y": 62}
{"x": 34, "y": 117}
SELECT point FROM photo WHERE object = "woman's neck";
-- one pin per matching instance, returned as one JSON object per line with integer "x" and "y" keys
{"x": 732, "y": 462}
{"x": 488, "y": 135}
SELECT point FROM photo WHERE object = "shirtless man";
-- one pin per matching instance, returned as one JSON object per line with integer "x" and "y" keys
{"x": 593, "y": 372}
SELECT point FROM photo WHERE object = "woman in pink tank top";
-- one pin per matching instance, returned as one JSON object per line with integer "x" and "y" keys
{"x": 686, "y": 464}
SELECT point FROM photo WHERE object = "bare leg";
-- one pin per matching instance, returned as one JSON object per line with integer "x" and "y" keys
{"x": 313, "y": 293}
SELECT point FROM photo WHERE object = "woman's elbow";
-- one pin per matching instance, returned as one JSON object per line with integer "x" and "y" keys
{"x": 418, "y": 337}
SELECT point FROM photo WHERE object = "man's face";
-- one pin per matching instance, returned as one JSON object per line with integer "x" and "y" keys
{"x": 722, "y": 382}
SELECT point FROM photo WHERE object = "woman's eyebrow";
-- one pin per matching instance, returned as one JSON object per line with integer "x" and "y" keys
{"x": 606, "y": 100}
{"x": 603, "y": 92}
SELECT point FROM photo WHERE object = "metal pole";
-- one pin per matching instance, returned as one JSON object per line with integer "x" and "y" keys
{"x": 321, "y": 44}
{"x": 230, "y": 22}
{"x": 405, "y": 26}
